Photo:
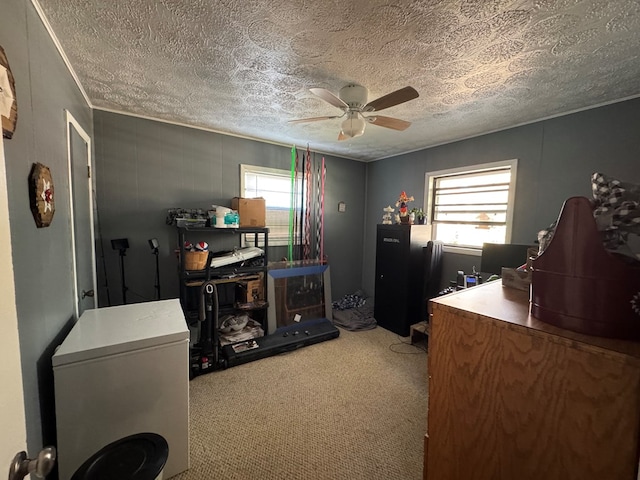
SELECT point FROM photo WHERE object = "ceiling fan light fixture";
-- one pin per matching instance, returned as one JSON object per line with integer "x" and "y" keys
{"x": 353, "y": 126}
{"x": 353, "y": 102}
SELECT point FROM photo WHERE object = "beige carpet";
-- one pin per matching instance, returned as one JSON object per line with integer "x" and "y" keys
{"x": 350, "y": 408}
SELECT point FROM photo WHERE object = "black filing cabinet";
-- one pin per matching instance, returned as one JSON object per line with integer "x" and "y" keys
{"x": 400, "y": 264}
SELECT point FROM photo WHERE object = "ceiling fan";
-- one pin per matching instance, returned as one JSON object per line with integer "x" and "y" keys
{"x": 352, "y": 100}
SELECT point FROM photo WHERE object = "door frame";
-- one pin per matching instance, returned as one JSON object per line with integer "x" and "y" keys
{"x": 71, "y": 122}
{"x": 12, "y": 410}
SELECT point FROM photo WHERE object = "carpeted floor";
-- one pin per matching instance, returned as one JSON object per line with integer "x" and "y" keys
{"x": 350, "y": 408}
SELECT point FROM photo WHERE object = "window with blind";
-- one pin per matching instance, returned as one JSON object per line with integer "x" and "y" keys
{"x": 470, "y": 206}
{"x": 274, "y": 185}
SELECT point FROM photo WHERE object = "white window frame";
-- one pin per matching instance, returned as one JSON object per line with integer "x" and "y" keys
{"x": 430, "y": 178}
{"x": 256, "y": 169}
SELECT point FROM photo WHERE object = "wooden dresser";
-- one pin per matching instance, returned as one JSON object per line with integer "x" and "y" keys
{"x": 511, "y": 397}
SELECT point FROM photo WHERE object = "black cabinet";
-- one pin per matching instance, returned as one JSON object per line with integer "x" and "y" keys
{"x": 400, "y": 265}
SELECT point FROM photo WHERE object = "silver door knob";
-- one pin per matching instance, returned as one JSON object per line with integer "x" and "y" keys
{"x": 40, "y": 467}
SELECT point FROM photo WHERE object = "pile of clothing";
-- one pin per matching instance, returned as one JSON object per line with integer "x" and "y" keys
{"x": 352, "y": 312}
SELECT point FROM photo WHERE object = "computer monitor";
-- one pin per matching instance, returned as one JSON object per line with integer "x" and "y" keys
{"x": 299, "y": 291}
{"x": 498, "y": 255}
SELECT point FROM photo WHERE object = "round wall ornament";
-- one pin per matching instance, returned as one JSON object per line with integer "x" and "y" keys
{"x": 41, "y": 195}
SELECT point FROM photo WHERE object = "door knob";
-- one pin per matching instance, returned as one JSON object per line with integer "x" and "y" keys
{"x": 40, "y": 467}
{"x": 87, "y": 294}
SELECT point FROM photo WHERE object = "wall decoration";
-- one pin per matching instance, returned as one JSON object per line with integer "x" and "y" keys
{"x": 403, "y": 199}
{"x": 41, "y": 195}
{"x": 8, "y": 103}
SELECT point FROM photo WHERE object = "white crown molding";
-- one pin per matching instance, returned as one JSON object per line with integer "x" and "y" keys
{"x": 206, "y": 129}
{"x": 65, "y": 59}
{"x": 543, "y": 119}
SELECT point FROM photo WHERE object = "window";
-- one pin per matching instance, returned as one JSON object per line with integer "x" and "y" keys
{"x": 274, "y": 185}
{"x": 469, "y": 206}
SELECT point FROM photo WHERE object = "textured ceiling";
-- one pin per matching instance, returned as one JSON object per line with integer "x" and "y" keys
{"x": 245, "y": 66}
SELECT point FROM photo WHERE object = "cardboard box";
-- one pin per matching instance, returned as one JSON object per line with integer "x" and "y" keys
{"x": 252, "y": 211}
{"x": 520, "y": 279}
{"x": 250, "y": 290}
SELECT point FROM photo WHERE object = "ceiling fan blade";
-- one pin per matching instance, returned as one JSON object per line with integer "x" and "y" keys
{"x": 329, "y": 97}
{"x": 392, "y": 99}
{"x": 314, "y": 119}
{"x": 389, "y": 122}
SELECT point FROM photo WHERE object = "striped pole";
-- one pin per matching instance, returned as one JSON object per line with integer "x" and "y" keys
{"x": 292, "y": 205}
{"x": 307, "y": 212}
{"x": 324, "y": 178}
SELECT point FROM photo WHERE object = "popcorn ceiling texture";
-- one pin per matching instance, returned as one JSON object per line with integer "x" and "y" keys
{"x": 245, "y": 66}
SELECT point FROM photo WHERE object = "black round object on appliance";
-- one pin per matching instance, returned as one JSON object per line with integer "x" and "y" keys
{"x": 137, "y": 457}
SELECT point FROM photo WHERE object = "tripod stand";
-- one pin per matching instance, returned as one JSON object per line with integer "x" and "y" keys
{"x": 153, "y": 243}
{"x": 122, "y": 244}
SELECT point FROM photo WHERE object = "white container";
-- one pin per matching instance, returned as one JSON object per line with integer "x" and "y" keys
{"x": 123, "y": 370}
{"x": 220, "y": 213}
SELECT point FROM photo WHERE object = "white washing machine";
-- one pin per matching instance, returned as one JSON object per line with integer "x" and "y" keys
{"x": 123, "y": 370}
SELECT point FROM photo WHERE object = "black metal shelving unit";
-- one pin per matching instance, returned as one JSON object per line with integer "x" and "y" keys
{"x": 237, "y": 272}
{"x": 195, "y": 275}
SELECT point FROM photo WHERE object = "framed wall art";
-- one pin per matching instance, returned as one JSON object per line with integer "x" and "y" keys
{"x": 8, "y": 104}
{"x": 41, "y": 195}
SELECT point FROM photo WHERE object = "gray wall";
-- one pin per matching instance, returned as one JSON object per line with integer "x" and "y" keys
{"x": 556, "y": 158}
{"x": 145, "y": 167}
{"x": 41, "y": 257}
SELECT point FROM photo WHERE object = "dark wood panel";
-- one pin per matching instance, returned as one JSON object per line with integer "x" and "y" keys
{"x": 560, "y": 411}
{"x": 511, "y": 306}
{"x": 463, "y": 416}
{"x": 509, "y": 398}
